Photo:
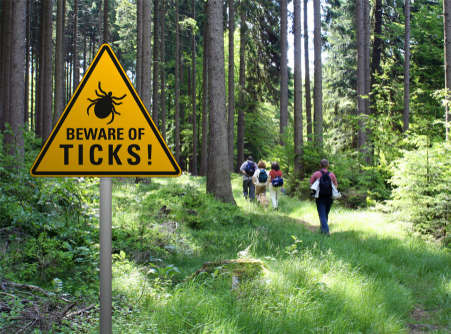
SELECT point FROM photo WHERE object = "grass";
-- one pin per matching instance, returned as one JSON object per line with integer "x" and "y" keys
{"x": 370, "y": 276}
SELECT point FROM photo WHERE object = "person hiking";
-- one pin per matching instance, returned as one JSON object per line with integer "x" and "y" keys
{"x": 248, "y": 169}
{"x": 324, "y": 199}
{"x": 261, "y": 180}
{"x": 275, "y": 185}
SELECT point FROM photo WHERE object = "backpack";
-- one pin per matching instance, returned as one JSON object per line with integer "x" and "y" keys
{"x": 262, "y": 176}
{"x": 325, "y": 185}
{"x": 249, "y": 168}
{"x": 277, "y": 181}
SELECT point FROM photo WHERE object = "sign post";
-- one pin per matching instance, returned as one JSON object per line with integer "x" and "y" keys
{"x": 105, "y": 131}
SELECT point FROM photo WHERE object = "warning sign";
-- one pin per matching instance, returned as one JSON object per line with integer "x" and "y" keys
{"x": 105, "y": 130}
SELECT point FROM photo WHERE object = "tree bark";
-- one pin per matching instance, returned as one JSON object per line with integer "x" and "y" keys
{"x": 27, "y": 64}
{"x": 360, "y": 72}
{"x": 75, "y": 39}
{"x": 177, "y": 83}
{"x": 406, "y": 110}
{"x": 139, "y": 46}
{"x": 106, "y": 33}
{"x": 298, "y": 125}
{"x": 447, "y": 41}
{"x": 5, "y": 65}
{"x": 204, "y": 155}
{"x": 59, "y": 61}
{"x": 231, "y": 83}
{"x": 283, "y": 69}
{"x": 15, "y": 115}
{"x": 146, "y": 75}
{"x": 193, "y": 93}
{"x": 318, "y": 90}
{"x": 45, "y": 69}
{"x": 163, "y": 68}
{"x": 308, "y": 101}
{"x": 218, "y": 175}
{"x": 156, "y": 64}
{"x": 242, "y": 83}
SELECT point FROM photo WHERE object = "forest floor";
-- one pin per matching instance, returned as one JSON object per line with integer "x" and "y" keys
{"x": 369, "y": 276}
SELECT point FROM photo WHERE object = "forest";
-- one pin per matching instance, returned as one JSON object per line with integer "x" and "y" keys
{"x": 364, "y": 84}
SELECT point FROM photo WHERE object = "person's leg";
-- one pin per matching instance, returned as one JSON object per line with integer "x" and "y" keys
{"x": 273, "y": 194}
{"x": 251, "y": 190}
{"x": 321, "y": 207}
{"x": 328, "y": 204}
{"x": 245, "y": 189}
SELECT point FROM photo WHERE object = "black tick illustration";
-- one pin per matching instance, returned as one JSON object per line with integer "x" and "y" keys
{"x": 104, "y": 105}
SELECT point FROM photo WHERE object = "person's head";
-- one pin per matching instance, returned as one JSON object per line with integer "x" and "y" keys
{"x": 324, "y": 163}
{"x": 261, "y": 164}
{"x": 250, "y": 158}
{"x": 275, "y": 166}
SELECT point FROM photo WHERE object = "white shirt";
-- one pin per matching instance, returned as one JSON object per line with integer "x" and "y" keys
{"x": 255, "y": 177}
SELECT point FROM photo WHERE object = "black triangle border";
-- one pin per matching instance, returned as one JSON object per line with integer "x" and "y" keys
{"x": 105, "y": 48}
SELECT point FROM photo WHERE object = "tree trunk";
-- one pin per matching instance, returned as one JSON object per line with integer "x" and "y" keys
{"x": 76, "y": 62}
{"x": 145, "y": 72}
{"x": 106, "y": 33}
{"x": 298, "y": 126}
{"x": 377, "y": 43}
{"x": 163, "y": 68}
{"x": 15, "y": 115}
{"x": 231, "y": 83}
{"x": 45, "y": 69}
{"x": 193, "y": 93}
{"x": 283, "y": 69}
{"x": 5, "y": 65}
{"x": 447, "y": 40}
{"x": 218, "y": 175}
{"x": 406, "y": 110}
{"x": 156, "y": 63}
{"x": 242, "y": 83}
{"x": 177, "y": 83}
{"x": 308, "y": 101}
{"x": 27, "y": 64}
{"x": 318, "y": 89}
{"x": 204, "y": 155}
{"x": 139, "y": 46}
{"x": 59, "y": 61}
{"x": 360, "y": 71}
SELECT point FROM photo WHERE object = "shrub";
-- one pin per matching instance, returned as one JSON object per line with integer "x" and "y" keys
{"x": 422, "y": 189}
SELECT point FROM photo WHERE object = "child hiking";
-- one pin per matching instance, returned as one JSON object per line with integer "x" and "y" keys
{"x": 261, "y": 180}
{"x": 275, "y": 185}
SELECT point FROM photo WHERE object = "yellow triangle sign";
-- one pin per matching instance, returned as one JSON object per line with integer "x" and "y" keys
{"x": 105, "y": 130}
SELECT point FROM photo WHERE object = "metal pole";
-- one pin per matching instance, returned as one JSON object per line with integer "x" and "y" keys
{"x": 105, "y": 256}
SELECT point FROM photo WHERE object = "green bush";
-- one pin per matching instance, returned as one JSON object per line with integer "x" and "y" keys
{"x": 422, "y": 189}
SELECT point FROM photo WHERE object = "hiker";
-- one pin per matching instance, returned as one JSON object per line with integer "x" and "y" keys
{"x": 275, "y": 185}
{"x": 324, "y": 193}
{"x": 261, "y": 180}
{"x": 248, "y": 169}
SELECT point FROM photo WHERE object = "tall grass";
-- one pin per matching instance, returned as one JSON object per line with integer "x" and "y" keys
{"x": 367, "y": 277}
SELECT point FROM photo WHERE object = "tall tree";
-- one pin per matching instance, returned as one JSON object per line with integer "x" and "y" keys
{"x": 146, "y": 54}
{"x": 242, "y": 83}
{"x": 298, "y": 124}
{"x": 204, "y": 153}
{"x": 447, "y": 35}
{"x": 156, "y": 63}
{"x": 163, "y": 67}
{"x": 308, "y": 101}
{"x": 16, "y": 87}
{"x": 45, "y": 70}
{"x": 177, "y": 82}
{"x": 76, "y": 72}
{"x": 59, "y": 61}
{"x": 106, "y": 32}
{"x": 318, "y": 89}
{"x": 193, "y": 90}
{"x": 406, "y": 110}
{"x": 139, "y": 38}
{"x": 5, "y": 65}
{"x": 231, "y": 81}
{"x": 283, "y": 67}
{"x": 218, "y": 175}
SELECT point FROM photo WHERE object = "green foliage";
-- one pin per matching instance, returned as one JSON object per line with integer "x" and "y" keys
{"x": 422, "y": 180}
{"x": 46, "y": 224}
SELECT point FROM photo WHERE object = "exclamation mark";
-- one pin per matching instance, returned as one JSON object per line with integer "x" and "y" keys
{"x": 149, "y": 154}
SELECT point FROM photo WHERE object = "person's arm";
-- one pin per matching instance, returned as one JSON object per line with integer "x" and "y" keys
{"x": 242, "y": 168}
{"x": 334, "y": 179}
{"x": 255, "y": 177}
{"x": 314, "y": 177}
